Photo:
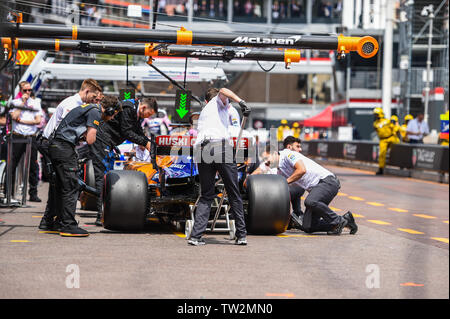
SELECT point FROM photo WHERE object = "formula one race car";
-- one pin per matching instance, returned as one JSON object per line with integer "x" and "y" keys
{"x": 168, "y": 188}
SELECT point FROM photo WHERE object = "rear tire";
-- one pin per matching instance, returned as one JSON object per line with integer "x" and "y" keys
{"x": 268, "y": 204}
{"x": 125, "y": 200}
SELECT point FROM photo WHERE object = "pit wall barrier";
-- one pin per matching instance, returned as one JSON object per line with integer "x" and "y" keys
{"x": 410, "y": 157}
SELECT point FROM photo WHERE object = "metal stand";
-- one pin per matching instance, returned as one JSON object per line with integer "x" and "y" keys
{"x": 25, "y": 171}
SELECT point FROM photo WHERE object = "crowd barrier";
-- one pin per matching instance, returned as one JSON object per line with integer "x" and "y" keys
{"x": 409, "y": 156}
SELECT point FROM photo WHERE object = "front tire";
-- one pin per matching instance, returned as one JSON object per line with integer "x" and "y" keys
{"x": 125, "y": 200}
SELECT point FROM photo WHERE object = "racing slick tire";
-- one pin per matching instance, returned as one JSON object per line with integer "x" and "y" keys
{"x": 268, "y": 204}
{"x": 125, "y": 200}
{"x": 88, "y": 201}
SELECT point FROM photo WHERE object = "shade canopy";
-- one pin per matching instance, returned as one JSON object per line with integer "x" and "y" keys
{"x": 323, "y": 119}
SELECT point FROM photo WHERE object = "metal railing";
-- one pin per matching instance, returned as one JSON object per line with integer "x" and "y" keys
{"x": 370, "y": 78}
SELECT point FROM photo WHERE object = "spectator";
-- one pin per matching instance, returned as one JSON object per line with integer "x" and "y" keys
{"x": 203, "y": 8}
{"x": 237, "y": 9}
{"x": 257, "y": 10}
{"x": 282, "y": 10}
{"x": 328, "y": 9}
{"x": 248, "y": 8}
{"x": 275, "y": 10}
{"x": 222, "y": 10}
{"x": 295, "y": 9}
{"x": 212, "y": 12}
{"x": 337, "y": 9}
{"x": 25, "y": 125}
{"x": 162, "y": 6}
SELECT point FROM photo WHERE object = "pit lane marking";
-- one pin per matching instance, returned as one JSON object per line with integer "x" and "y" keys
{"x": 375, "y": 204}
{"x": 296, "y": 235}
{"x": 287, "y": 295}
{"x": 181, "y": 235}
{"x": 335, "y": 209}
{"x": 356, "y": 198}
{"x": 19, "y": 241}
{"x": 424, "y": 216}
{"x": 399, "y": 210}
{"x": 378, "y": 222}
{"x": 411, "y": 284}
{"x": 445, "y": 221}
{"x": 341, "y": 194}
{"x": 444, "y": 240}
{"x": 36, "y": 216}
{"x": 410, "y": 231}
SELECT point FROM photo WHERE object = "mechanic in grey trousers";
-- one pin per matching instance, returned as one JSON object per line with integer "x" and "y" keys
{"x": 214, "y": 153}
{"x": 322, "y": 186}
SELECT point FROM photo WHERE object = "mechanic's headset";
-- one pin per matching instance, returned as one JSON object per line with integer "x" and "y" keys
{"x": 111, "y": 110}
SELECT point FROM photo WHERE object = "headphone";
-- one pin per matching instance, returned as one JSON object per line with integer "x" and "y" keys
{"x": 111, "y": 110}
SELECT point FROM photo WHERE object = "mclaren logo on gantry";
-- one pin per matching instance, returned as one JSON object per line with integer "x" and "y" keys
{"x": 259, "y": 40}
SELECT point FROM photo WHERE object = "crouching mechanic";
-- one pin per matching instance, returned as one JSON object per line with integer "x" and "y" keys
{"x": 322, "y": 187}
{"x": 81, "y": 123}
{"x": 125, "y": 126}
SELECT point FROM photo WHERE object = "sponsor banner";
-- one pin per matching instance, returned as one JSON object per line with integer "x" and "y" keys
{"x": 322, "y": 149}
{"x": 430, "y": 157}
{"x": 349, "y": 150}
{"x": 170, "y": 141}
{"x": 189, "y": 141}
{"x": 427, "y": 158}
{"x": 401, "y": 156}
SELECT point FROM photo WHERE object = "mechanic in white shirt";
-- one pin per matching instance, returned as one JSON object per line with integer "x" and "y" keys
{"x": 25, "y": 124}
{"x": 322, "y": 186}
{"x": 417, "y": 129}
{"x": 217, "y": 123}
{"x": 87, "y": 94}
{"x": 90, "y": 92}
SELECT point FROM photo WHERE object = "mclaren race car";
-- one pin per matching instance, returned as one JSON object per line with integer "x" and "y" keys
{"x": 168, "y": 188}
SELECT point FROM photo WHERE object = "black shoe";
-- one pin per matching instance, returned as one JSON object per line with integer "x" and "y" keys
{"x": 241, "y": 241}
{"x": 351, "y": 222}
{"x": 196, "y": 241}
{"x": 35, "y": 199}
{"x": 296, "y": 221}
{"x": 338, "y": 229}
{"x": 73, "y": 231}
{"x": 47, "y": 226}
{"x": 50, "y": 227}
{"x": 380, "y": 171}
{"x": 98, "y": 221}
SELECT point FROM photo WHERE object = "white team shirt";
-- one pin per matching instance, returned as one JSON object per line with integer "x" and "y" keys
{"x": 35, "y": 109}
{"x": 314, "y": 172}
{"x": 415, "y": 126}
{"x": 217, "y": 121}
{"x": 67, "y": 105}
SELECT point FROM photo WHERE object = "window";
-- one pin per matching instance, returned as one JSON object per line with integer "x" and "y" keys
{"x": 324, "y": 11}
{"x": 250, "y": 11}
{"x": 289, "y": 11}
{"x": 173, "y": 10}
{"x": 211, "y": 9}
